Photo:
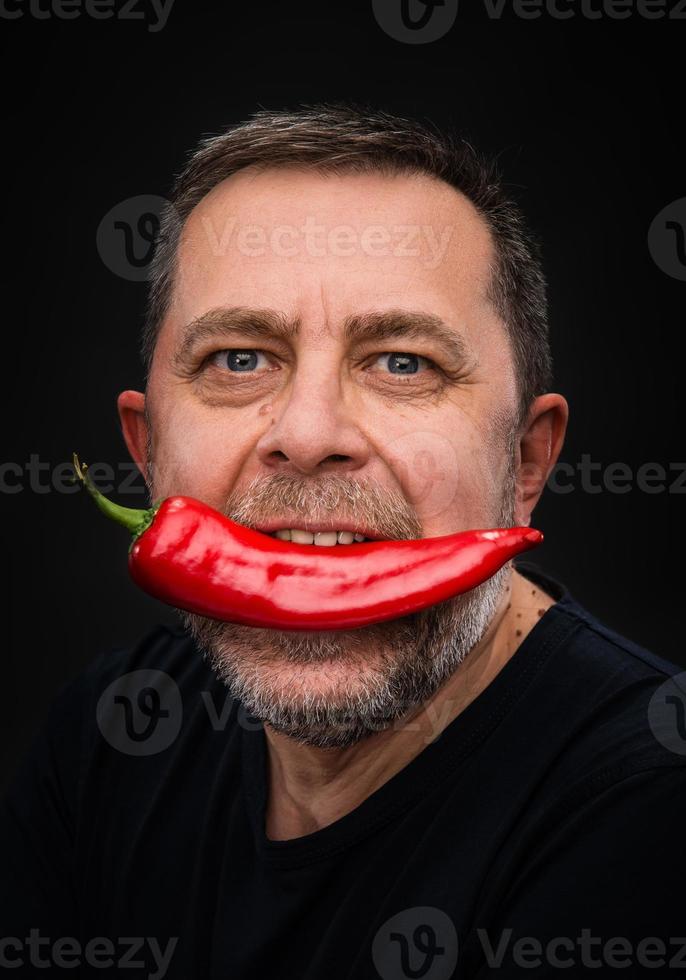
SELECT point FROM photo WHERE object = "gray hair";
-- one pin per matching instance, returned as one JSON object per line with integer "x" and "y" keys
{"x": 344, "y": 138}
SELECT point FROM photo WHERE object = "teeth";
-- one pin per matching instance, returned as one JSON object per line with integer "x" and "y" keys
{"x": 325, "y": 538}
{"x": 301, "y": 537}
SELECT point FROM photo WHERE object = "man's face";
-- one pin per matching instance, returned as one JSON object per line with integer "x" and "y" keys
{"x": 397, "y": 432}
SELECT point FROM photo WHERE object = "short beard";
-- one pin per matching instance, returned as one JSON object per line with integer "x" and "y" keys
{"x": 413, "y": 657}
{"x": 331, "y": 689}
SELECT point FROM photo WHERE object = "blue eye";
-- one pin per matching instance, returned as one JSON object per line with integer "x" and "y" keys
{"x": 242, "y": 360}
{"x": 403, "y": 363}
{"x": 237, "y": 359}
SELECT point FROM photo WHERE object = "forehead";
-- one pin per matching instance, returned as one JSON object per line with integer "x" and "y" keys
{"x": 291, "y": 239}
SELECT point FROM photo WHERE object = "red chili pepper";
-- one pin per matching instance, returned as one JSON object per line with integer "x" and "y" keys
{"x": 190, "y": 556}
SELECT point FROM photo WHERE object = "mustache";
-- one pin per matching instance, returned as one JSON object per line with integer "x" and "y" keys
{"x": 364, "y": 502}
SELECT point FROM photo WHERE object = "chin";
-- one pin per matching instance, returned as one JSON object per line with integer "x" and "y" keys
{"x": 333, "y": 687}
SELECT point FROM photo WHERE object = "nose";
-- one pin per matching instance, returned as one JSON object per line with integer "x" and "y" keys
{"x": 313, "y": 432}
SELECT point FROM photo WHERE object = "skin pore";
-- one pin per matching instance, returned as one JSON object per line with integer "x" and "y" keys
{"x": 294, "y": 363}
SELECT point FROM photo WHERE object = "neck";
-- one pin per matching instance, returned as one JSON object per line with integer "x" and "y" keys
{"x": 310, "y": 788}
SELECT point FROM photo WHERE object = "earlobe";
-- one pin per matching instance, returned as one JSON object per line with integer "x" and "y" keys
{"x": 131, "y": 408}
{"x": 540, "y": 446}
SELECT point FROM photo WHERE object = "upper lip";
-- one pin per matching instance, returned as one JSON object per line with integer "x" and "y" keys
{"x": 316, "y": 527}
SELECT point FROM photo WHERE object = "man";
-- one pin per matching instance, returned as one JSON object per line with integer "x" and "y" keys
{"x": 347, "y": 332}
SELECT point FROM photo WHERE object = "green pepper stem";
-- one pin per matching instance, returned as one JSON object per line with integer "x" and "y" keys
{"x": 135, "y": 520}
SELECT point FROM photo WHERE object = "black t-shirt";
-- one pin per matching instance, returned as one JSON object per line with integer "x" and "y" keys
{"x": 541, "y": 834}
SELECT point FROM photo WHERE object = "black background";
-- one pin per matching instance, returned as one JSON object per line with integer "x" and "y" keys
{"x": 585, "y": 117}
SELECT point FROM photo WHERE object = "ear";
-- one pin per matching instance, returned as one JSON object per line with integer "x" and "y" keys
{"x": 540, "y": 443}
{"x": 131, "y": 408}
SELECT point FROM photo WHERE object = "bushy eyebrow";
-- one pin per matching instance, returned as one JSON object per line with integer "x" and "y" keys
{"x": 266, "y": 324}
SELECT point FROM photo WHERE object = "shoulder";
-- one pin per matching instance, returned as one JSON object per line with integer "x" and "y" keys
{"x": 137, "y": 700}
{"x": 598, "y": 839}
{"x": 621, "y": 708}
{"x": 159, "y": 647}
{"x": 160, "y": 652}
{"x": 614, "y": 663}
{"x": 604, "y": 645}
{"x": 610, "y": 643}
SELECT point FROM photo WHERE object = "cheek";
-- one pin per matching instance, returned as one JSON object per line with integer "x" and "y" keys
{"x": 452, "y": 478}
{"x": 426, "y": 464}
{"x": 197, "y": 457}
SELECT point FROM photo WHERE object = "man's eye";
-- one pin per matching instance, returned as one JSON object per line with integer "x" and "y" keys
{"x": 398, "y": 363}
{"x": 236, "y": 359}
{"x": 240, "y": 360}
